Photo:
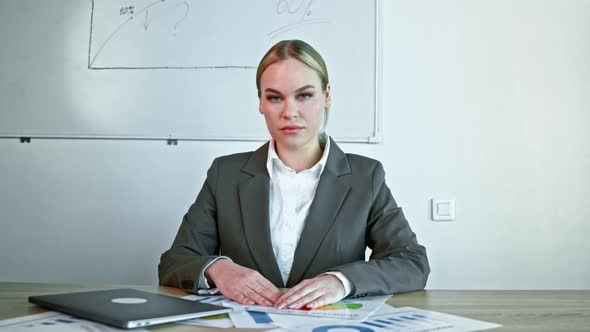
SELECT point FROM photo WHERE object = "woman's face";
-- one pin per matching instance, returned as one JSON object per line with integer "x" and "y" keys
{"x": 292, "y": 102}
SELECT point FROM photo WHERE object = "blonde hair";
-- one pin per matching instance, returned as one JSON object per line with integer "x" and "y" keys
{"x": 299, "y": 50}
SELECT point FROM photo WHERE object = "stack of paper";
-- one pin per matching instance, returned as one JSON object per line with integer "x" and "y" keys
{"x": 364, "y": 314}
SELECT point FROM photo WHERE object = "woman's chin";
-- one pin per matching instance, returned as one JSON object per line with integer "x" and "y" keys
{"x": 291, "y": 142}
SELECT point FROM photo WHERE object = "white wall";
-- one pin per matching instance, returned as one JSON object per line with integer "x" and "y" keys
{"x": 485, "y": 102}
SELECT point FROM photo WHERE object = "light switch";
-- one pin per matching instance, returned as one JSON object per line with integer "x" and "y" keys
{"x": 443, "y": 210}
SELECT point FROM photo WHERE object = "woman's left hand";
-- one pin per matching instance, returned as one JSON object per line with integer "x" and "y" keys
{"x": 312, "y": 293}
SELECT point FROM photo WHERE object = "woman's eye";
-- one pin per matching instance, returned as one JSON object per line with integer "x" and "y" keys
{"x": 304, "y": 96}
{"x": 273, "y": 98}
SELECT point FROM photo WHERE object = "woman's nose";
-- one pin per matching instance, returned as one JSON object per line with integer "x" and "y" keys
{"x": 290, "y": 109}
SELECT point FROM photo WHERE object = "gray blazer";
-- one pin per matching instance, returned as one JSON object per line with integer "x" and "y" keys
{"x": 352, "y": 209}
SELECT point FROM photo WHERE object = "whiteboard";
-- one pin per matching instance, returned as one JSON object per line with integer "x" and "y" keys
{"x": 183, "y": 69}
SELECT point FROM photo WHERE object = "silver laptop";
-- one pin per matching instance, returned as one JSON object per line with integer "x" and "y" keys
{"x": 127, "y": 308}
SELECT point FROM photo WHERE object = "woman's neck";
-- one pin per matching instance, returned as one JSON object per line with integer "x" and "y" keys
{"x": 302, "y": 158}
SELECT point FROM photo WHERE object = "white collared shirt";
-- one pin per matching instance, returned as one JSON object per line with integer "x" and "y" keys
{"x": 291, "y": 195}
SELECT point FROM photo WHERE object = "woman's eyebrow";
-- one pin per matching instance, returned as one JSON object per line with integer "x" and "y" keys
{"x": 271, "y": 90}
{"x": 305, "y": 87}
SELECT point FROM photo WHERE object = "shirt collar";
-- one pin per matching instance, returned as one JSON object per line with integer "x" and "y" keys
{"x": 273, "y": 158}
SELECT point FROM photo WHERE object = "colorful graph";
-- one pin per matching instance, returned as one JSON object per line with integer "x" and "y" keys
{"x": 216, "y": 317}
{"x": 402, "y": 321}
{"x": 340, "y": 306}
{"x": 408, "y": 321}
{"x": 336, "y": 306}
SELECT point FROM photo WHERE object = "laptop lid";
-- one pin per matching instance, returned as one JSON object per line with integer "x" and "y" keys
{"x": 127, "y": 308}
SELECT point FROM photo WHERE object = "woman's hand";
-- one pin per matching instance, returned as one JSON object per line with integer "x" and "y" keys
{"x": 241, "y": 284}
{"x": 312, "y": 293}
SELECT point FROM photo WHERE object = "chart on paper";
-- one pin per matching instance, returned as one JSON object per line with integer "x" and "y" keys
{"x": 404, "y": 319}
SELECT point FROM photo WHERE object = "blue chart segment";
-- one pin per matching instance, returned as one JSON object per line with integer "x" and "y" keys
{"x": 334, "y": 327}
{"x": 260, "y": 317}
{"x": 210, "y": 299}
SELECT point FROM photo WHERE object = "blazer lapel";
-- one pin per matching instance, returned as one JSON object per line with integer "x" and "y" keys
{"x": 328, "y": 199}
{"x": 254, "y": 199}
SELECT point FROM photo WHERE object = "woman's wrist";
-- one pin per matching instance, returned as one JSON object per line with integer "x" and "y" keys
{"x": 214, "y": 268}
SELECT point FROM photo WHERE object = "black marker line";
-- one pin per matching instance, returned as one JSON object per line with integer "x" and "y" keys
{"x": 90, "y": 41}
{"x": 286, "y": 28}
{"x": 121, "y": 26}
{"x": 173, "y": 67}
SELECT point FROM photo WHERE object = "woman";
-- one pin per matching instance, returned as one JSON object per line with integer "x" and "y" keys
{"x": 297, "y": 212}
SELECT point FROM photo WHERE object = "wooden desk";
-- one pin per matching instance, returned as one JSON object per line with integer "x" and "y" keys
{"x": 516, "y": 310}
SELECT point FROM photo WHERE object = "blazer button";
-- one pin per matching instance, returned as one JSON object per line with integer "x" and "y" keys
{"x": 187, "y": 284}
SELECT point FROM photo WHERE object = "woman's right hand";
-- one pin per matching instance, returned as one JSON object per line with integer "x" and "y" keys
{"x": 241, "y": 284}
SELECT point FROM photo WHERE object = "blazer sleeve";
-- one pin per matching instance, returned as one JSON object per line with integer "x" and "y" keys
{"x": 398, "y": 263}
{"x": 196, "y": 243}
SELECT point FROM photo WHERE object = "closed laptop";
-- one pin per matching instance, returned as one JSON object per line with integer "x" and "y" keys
{"x": 127, "y": 308}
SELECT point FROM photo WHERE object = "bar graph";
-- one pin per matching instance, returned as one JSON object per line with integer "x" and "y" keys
{"x": 405, "y": 319}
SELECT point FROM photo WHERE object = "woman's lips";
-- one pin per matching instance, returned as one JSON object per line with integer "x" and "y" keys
{"x": 291, "y": 129}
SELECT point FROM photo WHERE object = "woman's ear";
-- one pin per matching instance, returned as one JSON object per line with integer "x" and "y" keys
{"x": 328, "y": 96}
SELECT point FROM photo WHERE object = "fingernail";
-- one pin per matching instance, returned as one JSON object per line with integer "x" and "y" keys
{"x": 266, "y": 303}
{"x": 294, "y": 305}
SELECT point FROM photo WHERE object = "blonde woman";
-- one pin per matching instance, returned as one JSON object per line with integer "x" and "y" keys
{"x": 297, "y": 213}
